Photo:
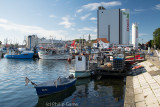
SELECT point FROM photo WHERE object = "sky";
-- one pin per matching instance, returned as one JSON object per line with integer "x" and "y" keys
{"x": 70, "y": 19}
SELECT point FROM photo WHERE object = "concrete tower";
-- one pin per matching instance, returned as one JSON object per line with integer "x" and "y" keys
{"x": 125, "y": 26}
{"x": 135, "y": 35}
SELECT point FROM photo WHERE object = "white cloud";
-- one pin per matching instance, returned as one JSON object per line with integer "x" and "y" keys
{"x": 32, "y": 30}
{"x": 157, "y": 6}
{"x": 79, "y": 10}
{"x": 52, "y": 16}
{"x": 85, "y": 16}
{"x": 139, "y": 10}
{"x": 93, "y": 35}
{"x": 92, "y": 29}
{"x": 66, "y": 22}
{"x": 72, "y": 28}
{"x": 93, "y": 18}
{"x": 94, "y": 6}
{"x": 3, "y": 20}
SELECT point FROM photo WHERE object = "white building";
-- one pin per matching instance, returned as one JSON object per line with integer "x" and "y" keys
{"x": 103, "y": 43}
{"x": 135, "y": 35}
{"x": 45, "y": 43}
{"x": 31, "y": 41}
{"x": 113, "y": 24}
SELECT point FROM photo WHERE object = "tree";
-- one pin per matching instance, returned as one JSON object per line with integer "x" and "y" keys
{"x": 80, "y": 40}
{"x": 150, "y": 43}
{"x": 139, "y": 44}
{"x": 156, "y": 37}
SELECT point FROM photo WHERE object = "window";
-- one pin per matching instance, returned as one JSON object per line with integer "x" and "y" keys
{"x": 79, "y": 58}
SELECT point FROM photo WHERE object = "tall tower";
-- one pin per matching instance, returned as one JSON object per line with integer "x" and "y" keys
{"x": 113, "y": 24}
{"x": 135, "y": 35}
{"x": 89, "y": 37}
{"x": 125, "y": 26}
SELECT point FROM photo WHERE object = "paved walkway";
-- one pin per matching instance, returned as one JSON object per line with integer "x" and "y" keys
{"x": 154, "y": 59}
{"x": 143, "y": 90}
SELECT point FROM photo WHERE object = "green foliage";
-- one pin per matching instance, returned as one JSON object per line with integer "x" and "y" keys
{"x": 93, "y": 40}
{"x": 150, "y": 43}
{"x": 156, "y": 36}
{"x": 139, "y": 44}
{"x": 80, "y": 40}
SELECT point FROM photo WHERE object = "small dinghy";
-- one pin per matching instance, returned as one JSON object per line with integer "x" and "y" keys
{"x": 54, "y": 86}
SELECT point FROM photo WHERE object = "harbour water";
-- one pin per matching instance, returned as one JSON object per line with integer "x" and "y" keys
{"x": 106, "y": 92}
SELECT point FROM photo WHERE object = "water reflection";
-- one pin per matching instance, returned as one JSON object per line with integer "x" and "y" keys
{"x": 91, "y": 93}
{"x": 56, "y": 98}
{"x": 83, "y": 81}
{"x": 86, "y": 93}
{"x": 115, "y": 87}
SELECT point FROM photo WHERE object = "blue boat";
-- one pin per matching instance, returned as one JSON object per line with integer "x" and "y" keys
{"x": 19, "y": 55}
{"x": 56, "y": 86}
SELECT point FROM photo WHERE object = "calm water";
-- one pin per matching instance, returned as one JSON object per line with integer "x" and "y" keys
{"x": 107, "y": 92}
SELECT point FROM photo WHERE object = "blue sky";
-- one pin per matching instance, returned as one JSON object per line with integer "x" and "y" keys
{"x": 70, "y": 19}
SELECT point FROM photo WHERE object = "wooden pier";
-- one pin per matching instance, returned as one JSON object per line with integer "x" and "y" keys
{"x": 120, "y": 67}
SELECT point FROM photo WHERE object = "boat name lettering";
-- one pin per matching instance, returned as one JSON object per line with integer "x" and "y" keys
{"x": 44, "y": 89}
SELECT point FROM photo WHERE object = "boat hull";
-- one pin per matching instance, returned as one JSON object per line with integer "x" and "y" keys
{"x": 47, "y": 90}
{"x": 21, "y": 56}
{"x": 80, "y": 74}
{"x": 60, "y": 57}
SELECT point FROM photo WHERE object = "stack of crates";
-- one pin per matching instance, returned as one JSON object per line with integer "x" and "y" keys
{"x": 118, "y": 63}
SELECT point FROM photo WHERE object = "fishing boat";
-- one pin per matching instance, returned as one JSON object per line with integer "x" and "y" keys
{"x": 16, "y": 54}
{"x": 81, "y": 68}
{"x": 52, "y": 53}
{"x": 54, "y": 86}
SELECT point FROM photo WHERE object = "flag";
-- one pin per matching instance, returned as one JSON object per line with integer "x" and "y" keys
{"x": 74, "y": 46}
{"x": 27, "y": 81}
{"x": 73, "y": 43}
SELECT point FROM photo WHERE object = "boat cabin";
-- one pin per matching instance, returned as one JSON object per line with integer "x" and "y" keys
{"x": 81, "y": 62}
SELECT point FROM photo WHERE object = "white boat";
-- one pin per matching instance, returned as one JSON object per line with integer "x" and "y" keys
{"x": 53, "y": 54}
{"x": 81, "y": 68}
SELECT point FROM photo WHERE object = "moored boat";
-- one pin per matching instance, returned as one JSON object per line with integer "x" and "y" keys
{"x": 16, "y": 54}
{"x": 81, "y": 69}
{"x": 53, "y": 54}
{"x": 54, "y": 86}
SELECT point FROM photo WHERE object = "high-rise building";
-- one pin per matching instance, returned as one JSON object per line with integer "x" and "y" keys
{"x": 135, "y": 35}
{"x": 113, "y": 24}
{"x": 31, "y": 41}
